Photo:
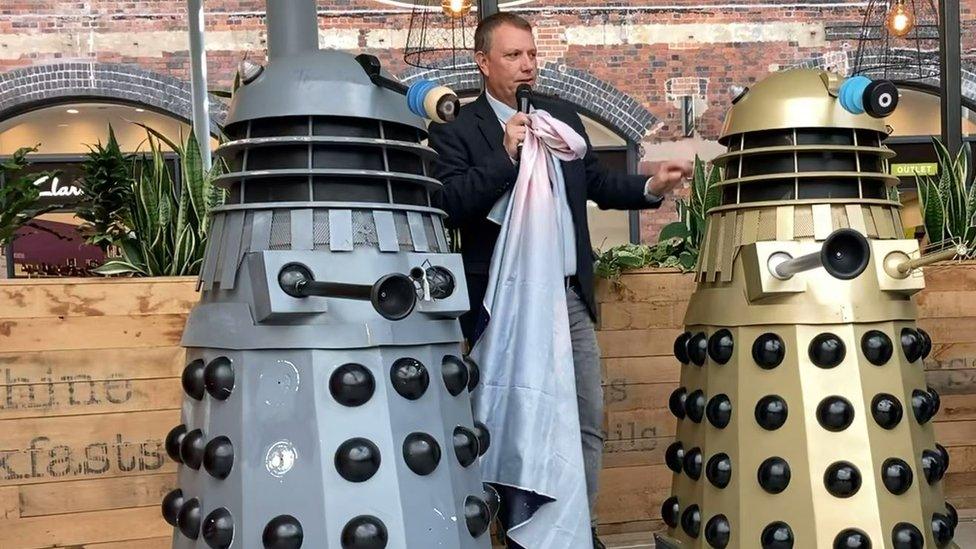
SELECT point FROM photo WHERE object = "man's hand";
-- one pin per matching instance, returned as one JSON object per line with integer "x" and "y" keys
{"x": 669, "y": 175}
{"x": 515, "y": 132}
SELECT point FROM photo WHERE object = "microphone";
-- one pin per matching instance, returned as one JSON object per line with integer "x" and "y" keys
{"x": 523, "y": 94}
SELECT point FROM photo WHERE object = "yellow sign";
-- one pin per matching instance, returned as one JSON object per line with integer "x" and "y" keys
{"x": 917, "y": 168}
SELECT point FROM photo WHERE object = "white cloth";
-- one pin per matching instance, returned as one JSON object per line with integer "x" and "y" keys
{"x": 527, "y": 397}
{"x": 564, "y": 217}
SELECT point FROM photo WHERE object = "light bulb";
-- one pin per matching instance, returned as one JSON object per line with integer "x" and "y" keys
{"x": 901, "y": 20}
{"x": 456, "y": 8}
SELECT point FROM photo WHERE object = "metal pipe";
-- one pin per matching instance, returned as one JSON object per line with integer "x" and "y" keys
{"x": 293, "y": 27}
{"x": 950, "y": 74}
{"x": 782, "y": 266}
{"x": 487, "y": 8}
{"x": 198, "y": 81}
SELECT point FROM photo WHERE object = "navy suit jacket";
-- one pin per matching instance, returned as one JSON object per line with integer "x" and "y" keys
{"x": 476, "y": 171}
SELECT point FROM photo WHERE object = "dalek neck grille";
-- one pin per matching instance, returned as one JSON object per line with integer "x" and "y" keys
{"x": 326, "y": 159}
{"x": 805, "y": 164}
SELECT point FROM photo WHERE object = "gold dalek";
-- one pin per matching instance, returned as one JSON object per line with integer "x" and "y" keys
{"x": 804, "y": 419}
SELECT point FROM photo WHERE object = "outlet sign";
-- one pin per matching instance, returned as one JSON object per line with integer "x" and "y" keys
{"x": 916, "y": 168}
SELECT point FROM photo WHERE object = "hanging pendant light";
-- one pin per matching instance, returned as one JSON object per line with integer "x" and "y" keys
{"x": 900, "y": 20}
{"x": 441, "y": 35}
{"x": 898, "y": 39}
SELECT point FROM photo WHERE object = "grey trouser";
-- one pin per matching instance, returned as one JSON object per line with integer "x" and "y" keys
{"x": 589, "y": 392}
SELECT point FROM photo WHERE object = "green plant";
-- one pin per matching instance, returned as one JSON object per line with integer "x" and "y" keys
{"x": 948, "y": 207}
{"x": 680, "y": 242}
{"x": 106, "y": 185}
{"x": 167, "y": 228}
{"x": 19, "y": 195}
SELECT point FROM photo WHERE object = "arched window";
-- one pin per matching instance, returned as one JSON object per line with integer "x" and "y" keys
{"x": 51, "y": 245}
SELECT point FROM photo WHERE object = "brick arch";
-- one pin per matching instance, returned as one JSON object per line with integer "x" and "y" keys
{"x": 31, "y": 88}
{"x": 597, "y": 98}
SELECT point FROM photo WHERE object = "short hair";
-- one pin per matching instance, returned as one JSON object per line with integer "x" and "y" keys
{"x": 482, "y": 34}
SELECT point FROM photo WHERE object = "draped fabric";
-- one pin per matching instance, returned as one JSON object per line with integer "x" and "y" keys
{"x": 527, "y": 397}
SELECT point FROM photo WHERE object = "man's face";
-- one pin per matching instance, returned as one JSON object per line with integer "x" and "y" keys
{"x": 509, "y": 62}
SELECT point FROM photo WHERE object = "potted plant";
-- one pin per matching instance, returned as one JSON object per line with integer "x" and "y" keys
{"x": 18, "y": 195}
{"x": 948, "y": 207}
{"x": 679, "y": 243}
{"x": 106, "y": 186}
{"x": 164, "y": 227}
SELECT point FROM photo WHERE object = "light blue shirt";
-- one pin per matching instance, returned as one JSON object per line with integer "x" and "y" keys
{"x": 564, "y": 216}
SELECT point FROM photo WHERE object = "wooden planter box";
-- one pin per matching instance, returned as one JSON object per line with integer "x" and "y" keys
{"x": 639, "y": 320}
{"x": 89, "y": 387}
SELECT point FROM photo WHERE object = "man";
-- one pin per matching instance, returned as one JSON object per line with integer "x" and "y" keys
{"x": 477, "y": 165}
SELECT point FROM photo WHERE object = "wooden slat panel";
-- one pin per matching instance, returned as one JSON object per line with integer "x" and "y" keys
{"x": 951, "y": 277}
{"x": 633, "y": 493}
{"x": 942, "y": 304}
{"x": 102, "y": 332}
{"x": 78, "y": 496}
{"x": 97, "y": 297}
{"x": 641, "y": 370}
{"x": 9, "y": 503}
{"x": 151, "y": 543}
{"x": 41, "y": 367}
{"x": 83, "y": 528}
{"x": 637, "y": 343}
{"x": 642, "y": 286}
{"x": 649, "y": 314}
{"x": 81, "y": 396}
{"x": 85, "y": 447}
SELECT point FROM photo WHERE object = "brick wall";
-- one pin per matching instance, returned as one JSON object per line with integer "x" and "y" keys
{"x": 652, "y": 54}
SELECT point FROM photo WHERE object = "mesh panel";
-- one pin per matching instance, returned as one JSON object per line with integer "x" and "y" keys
{"x": 767, "y": 224}
{"x": 432, "y": 241}
{"x": 320, "y": 230}
{"x": 737, "y": 235}
{"x": 280, "y": 230}
{"x": 364, "y": 229}
{"x": 803, "y": 222}
{"x": 403, "y": 231}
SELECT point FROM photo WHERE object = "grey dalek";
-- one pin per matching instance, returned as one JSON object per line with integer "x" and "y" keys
{"x": 327, "y": 400}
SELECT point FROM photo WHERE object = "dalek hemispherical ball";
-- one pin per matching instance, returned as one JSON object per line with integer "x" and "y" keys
{"x": 803, "y": 415}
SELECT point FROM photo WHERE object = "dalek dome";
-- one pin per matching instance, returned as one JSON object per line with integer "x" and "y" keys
{"x": 796, "y": 98}
{"x": 316, "y": 83}
{"x": 807, "y": 134}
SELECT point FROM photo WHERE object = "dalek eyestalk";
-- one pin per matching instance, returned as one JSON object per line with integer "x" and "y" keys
{"x": 844, "y": 255}
{"x": 425, "y": 98}
{"x": 393, "y": 296}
